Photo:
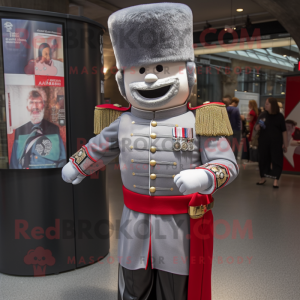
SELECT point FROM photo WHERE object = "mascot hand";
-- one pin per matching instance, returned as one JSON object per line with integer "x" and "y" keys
{"x": 192, "y": 181}
{"x": 70, "y": 174}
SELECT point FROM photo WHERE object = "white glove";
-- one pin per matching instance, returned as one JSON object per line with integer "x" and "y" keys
{"x": 193, "y": 181}
{"x": 70, "y": 174}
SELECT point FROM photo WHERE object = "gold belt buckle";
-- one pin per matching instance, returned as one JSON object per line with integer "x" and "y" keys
{"x": 197, "y": 212}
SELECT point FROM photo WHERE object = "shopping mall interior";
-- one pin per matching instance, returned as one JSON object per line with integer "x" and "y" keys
{"x": 60, "y": 240}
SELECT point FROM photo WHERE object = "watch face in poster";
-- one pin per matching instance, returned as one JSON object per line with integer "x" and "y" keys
{"x": 34, "y": 93}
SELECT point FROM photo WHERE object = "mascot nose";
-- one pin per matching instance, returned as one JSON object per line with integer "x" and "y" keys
{"x": 151, "y": 78}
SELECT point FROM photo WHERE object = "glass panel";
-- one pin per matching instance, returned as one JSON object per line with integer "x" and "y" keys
{"x": 260, "y": 78}
{"x": 243, "y": 53}
{"x": 265, "y": 58}
{"x": 281, "y": 62}
{"x": 293, "y": 60}
{"x": 261, "y": 51}
{"x": 251, "y": 54}
{"x": 273, "y": 60}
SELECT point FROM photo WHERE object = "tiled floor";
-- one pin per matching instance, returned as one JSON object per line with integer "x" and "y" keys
{"x": 263, "y": 265}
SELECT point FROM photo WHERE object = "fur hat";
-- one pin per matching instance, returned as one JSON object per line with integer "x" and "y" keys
{"x": 152, "y": 33}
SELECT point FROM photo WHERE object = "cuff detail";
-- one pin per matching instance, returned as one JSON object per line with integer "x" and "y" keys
{"x": 220, "y": 172}
{"x": 82, "y": 160}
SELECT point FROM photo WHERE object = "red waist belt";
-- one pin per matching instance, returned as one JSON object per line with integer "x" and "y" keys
{"x": 201, "y": 232}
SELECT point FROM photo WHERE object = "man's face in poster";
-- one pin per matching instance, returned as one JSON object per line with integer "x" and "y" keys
{"x": 36, "y": 109}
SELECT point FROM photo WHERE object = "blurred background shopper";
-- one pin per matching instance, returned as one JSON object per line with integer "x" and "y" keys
{"x": 235, "y": 121}
{"x": 252, "y": 117}
{"x": 272, "y": 142}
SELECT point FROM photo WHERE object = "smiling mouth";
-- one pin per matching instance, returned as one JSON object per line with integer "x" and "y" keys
{"x": 156, "y": 93}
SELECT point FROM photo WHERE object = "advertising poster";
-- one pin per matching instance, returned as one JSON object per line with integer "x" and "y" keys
{"x": 292, "y": 122}
{"x": 34, "y": 94}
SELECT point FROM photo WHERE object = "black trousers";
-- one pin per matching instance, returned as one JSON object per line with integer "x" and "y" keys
{"x": 270, "y": 159}
{"x": 151, "y": 284}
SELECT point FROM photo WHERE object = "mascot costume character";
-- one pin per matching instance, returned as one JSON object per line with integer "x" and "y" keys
{"x": 172, "y": 157}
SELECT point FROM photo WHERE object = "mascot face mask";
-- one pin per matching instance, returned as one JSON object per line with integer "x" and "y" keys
{"x": 153, "y": 46}
{"x": 157, "y": 86}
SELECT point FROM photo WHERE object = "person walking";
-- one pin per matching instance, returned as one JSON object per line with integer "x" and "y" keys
{"x": 235, "y": 121}
{"x": 245, "y": 141}
{"x": 252, "y": 117}
{"x": 272, "y": 142}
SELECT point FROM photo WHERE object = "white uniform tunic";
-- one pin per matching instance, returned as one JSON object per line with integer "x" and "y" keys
{"x": 143, "y": 140}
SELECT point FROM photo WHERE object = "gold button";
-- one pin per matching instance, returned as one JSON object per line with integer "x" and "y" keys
{"x": 153, "y": 176}
{"x": 152, "y": 189}
{"x": 132, "y": 160}
{"x": 131, "y": 147}
{"x": 176, "y": 125}
{"x": 132, "y": 122}
{"x": 171, "y": 189}
{"x": 152, "y": 163}
{"x": 153, "y": 123}
{"x": 134, "y": 185}
{"x": 133, "y": 173}
{"x": 153, "y": 135}
{"x": 131, "y": 134}
{"x": 153, "y": 149}
{"x": 175, "y": 163}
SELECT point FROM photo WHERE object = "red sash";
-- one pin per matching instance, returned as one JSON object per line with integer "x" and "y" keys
{"x": 201, "y": 234}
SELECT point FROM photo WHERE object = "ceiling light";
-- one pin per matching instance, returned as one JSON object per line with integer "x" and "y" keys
{"x": 229, "y": 28}
{"x": 282, "y": 93}
{"x": 284, "y": 55}
{"x": 239, "y": 9}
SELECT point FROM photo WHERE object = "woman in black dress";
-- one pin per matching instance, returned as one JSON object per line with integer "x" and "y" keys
{"x": 272, "y": 142}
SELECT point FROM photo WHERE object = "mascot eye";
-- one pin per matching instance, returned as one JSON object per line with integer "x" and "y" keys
{"x": 142, "y": 70}
{"x": 159, "y": 68}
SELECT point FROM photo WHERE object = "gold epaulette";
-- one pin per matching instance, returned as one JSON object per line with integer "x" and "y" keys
{"x": 212, "y": 120}
{"x": 105, "y": 114}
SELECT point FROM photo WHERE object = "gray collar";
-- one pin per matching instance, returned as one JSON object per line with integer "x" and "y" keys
{"x": 159, "y": 114}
